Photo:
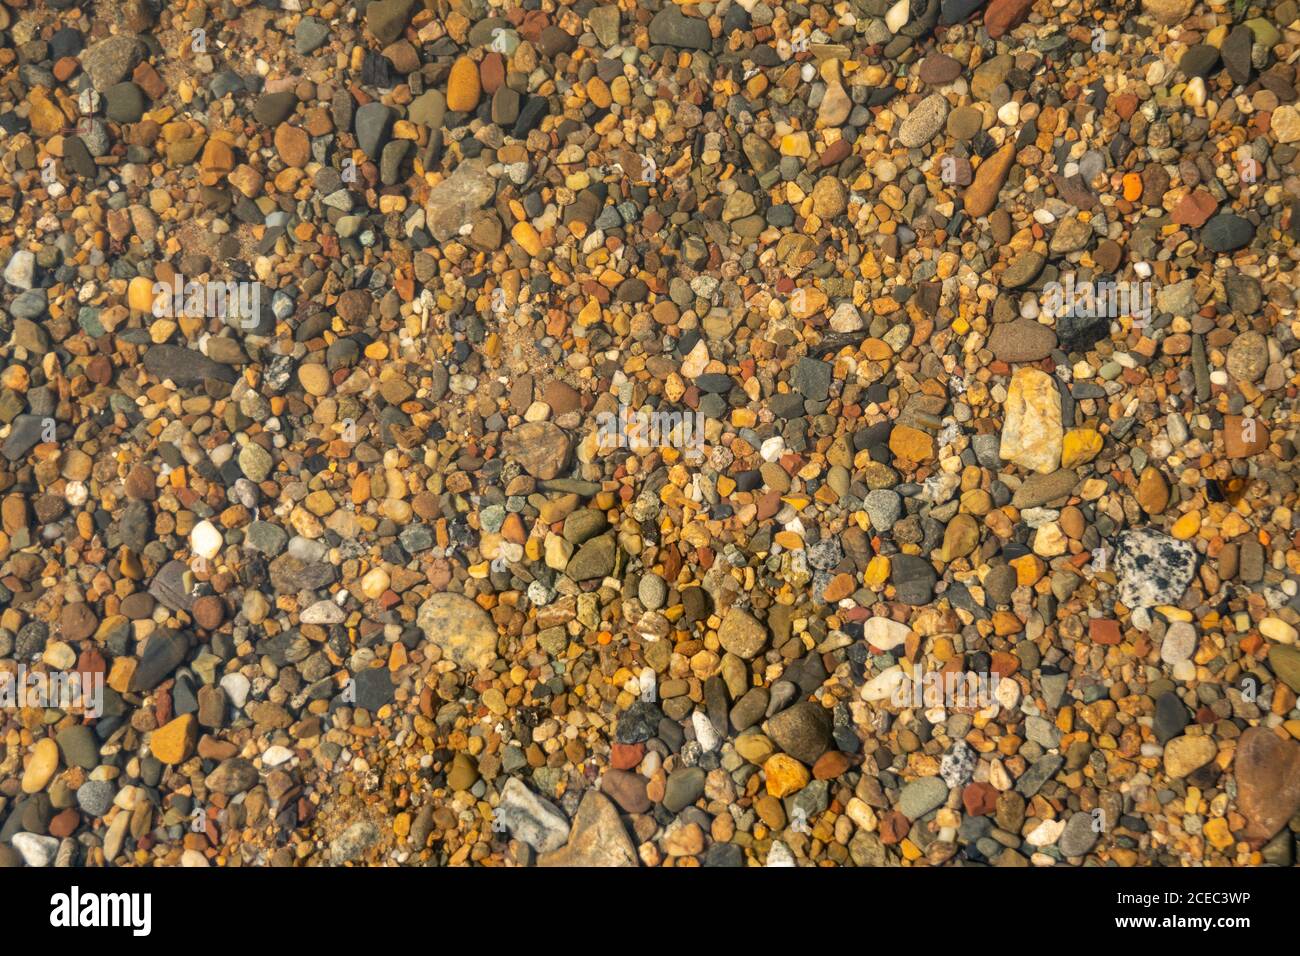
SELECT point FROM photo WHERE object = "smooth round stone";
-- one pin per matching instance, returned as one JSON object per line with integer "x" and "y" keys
{"x": 95, "y": 797}
{"x": 205, "y": 540}
{"x": 924, "y": 122}
{"x": 315, "y": 379}
{"x": 1179, "y": 643}
{"x": 652, "y": 591}
{"x": 41, "y": 766}
{"x": 965, "y": 122}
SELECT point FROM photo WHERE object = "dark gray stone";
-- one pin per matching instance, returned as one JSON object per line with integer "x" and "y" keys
{"x": 164, "y": 652}
{"x": 671, "y": 27}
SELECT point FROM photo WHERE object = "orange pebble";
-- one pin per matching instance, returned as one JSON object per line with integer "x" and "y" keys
{"x": 1132, "y": 186}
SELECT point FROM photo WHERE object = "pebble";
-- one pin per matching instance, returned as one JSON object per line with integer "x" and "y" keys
{"x": 530, "y": 818}
{"x": 95, "y": 797}
{"x": 1227, "y": 232}
{"x": 741, "y": 634}
{"x": 1021, "y": 341}
{"x": 1153, "y": 568}
{"x": 1031, "y": 431}
{"x": 20, "y": 271}
{"x": 921, "y": 796}
{"x": 1179, "y": 643}
{"x": 36, "y": 850}
{"x": 1267, "y": 769}
{"x": 597, "y": 838}
{"x": 924, "y": 122}
{"x": 463, "y": 89}
{"x": 802, "y": 731}
{"x": 1185, "y": 754}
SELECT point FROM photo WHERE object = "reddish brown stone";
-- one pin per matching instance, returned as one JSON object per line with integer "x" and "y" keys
{"x": 768, "y": 505}
{"x": 1003, "y": 663}
{"x": 893, "y": 827}
{"x": 1103, "y": 631}
{"x": 147, "y": 78}
{"x": 209, "y": 612}
{"x": 65, "y": 68}
{"x": 626, "y": 789}
{"x": 492, "y": 73}
{"x": 562, "y": 397}
{"x": 836, "y": 152}
{"x": 979, "y": 799}
{"x": 830, "y": 765}
{"x": 1194, "y": 209}
{"x": 1155, "y": 181}
{"x": 1004, "y": 15}
{"x": 65, "y": 824}
{"x": 91, "y": 662}
{"x": 293, "y": 145}
{"x": 625, "y": 756}
{"x": 354, "y": 305}
{"x": 1126, "y": 105}
{"x": 939, "y": 68}
{"x": 1243, "y": 437}
{"x": 1268, "y": 782}
{"x": 139, "y": 483}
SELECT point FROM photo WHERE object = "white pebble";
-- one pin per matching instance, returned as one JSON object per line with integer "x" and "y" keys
{"x": 779, "y": 855}
{"x": 1046, "y": 833}
{"x": 1007, "y": 693}
{"x": 35, "y": 850}
{"x": 76, "y": 494}
{"x": 1179, "y": 643}
{"x": 896, "y": 16}
{"x": 884, "y": 684}
{"x": 205, "y": 540}
{"x": 236, "y": 687}
{"x": 885, "y": 634}
{"x": 276, "y": 755}
{"x": 706, "y": 735}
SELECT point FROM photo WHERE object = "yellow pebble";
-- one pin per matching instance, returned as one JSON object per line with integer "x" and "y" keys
{"x": 1186, "y": 526}
{"x": 1080, "y": 446}
{"x": 1216, "y": 831}
{"x": 785, "y": 775}
{"x": 788, "y": 540}
{"x": 527, "y": 237}
{"x": 795, "y": 144}
{"x": 877, "y": 572}
{"x": 139, "y": 294}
